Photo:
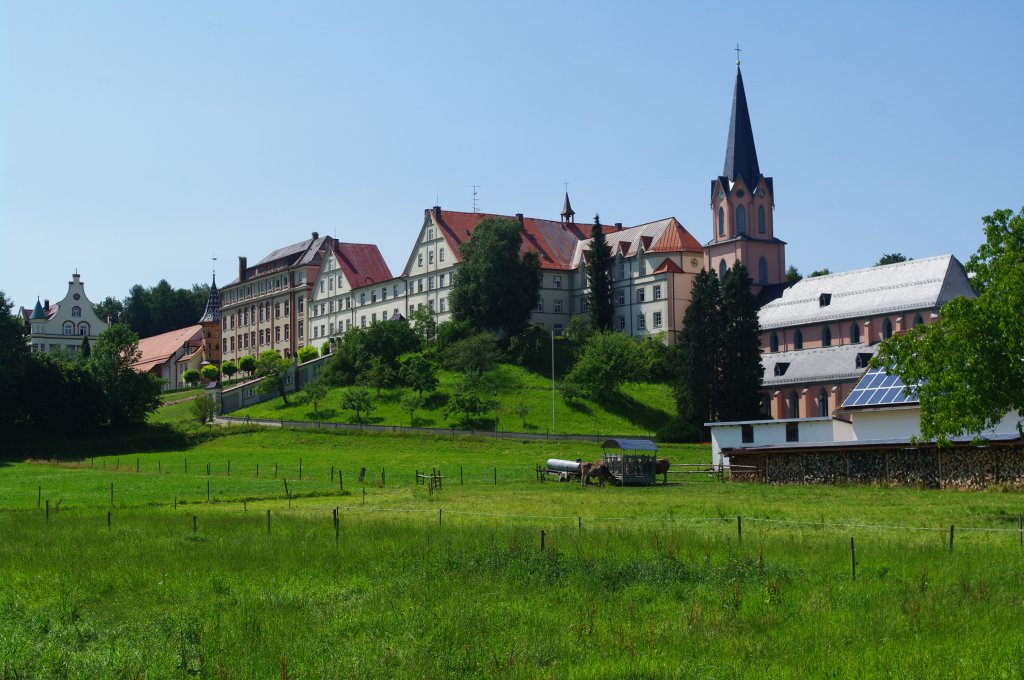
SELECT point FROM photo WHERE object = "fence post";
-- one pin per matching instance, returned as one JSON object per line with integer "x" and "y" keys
{"x": 47, "y": 509}
{"x": 495, "y": 476}
{"x": 383, "y": 479}
{"x": 1020, "y": 527}
{"x": 332, "y": 473}
{"x": 579, "y": 523}
{"x": 268, "y": 522}
{"x": 300, "y": 468}
{"x": 207, "y": 469}
{"x": 542, "y": 540}
{"x": 111, "y": 493}
{"x": 136, "y": 464}
{"x": 460, "y": 475}
{"x": 853, "y": 559}
{"x": 195, "y": 526}
{"x": 108, "y": 519}
{"x": 39, "y": 498}
{"x": 257, "y": 470}
{"x": 950, "y": 538}
{"x": 739, "y": 528}
{"x": 341, "y": 483}
{"x": 364, "y": 495}
{"x": 229, "y": 468}
{"x": 207, "y": 490}
{"x": 439, "y": 510}
{"x": 159, "y": 468}
{"x": 175, "y": 502}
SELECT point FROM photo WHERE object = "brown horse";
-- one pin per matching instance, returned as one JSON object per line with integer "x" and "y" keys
{"x": 661, "y": 468}
{"x": 596, "y": 469}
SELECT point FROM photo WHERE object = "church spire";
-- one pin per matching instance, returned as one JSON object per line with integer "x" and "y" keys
{"x": 740, "y": 154}
{"x": 568, "y": 214}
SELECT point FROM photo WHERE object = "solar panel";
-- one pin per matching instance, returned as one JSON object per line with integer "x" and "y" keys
{"x": 878, "y": 389}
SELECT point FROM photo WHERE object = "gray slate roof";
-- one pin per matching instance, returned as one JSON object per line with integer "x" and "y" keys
{"x": 915, "y": 284}
{"x": 824, "y": 364}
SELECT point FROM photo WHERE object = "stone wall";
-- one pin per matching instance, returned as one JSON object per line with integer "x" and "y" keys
{"x": 964, "y": 467}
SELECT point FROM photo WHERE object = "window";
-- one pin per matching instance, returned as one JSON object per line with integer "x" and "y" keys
{"x": 260, "y": 336}
{"x": 622, "y": 269}
{"x": 773, "y": 343}
{"x": 395, "y": 290}
{"x": 794, "y": 410}
{"x": 231, "y": 341}
{"x": 321, "y": 286}
{"x": 440, "y": 280}
{"x": 918, "y": 320}
{"x": 622, "y": 323}
{"x": 793, "y": 431}
{"x": 83, "y": 328}
{"x": 854, "y": 332}
{"x": 362, "y": 298}
{"x": 444, "y": 305}
{"x": 558, "y": 306}
{"x": 657, "y": 319}
{"x": 584, "y": 305}
{"x": 430, "y": 283}
{"x": 373, "y": 295}
{"x": 419, "y": 260}
{"x": 348, "y": 303}
{"x": 430, "y": 257}
{"x": 277, "y": 334}
{"x": 384, "y": 293}
{"x": 747, "y": 434}
{"x": 419, "y": 286}
{"x": 540, "y": 304}
{"x": 641, "y": 321}
{"x": 721, "y": 221}
{"x": 620, "y": 297}
{"x": 826, "y": 337}
{"x": 300, "y": 330}
{"x": 261, "y": 312}
{"x": 362, "y": 321}
{"x": 657, "y": 292}
{"x": 330, "y": 283}
{"x": 430, "y": 234}
{"x": 76, "y": 311}
{"x": 430, "y": 303}
{"x": 641, "y": 294}
{"x": 886, "y": 329}
{"x": 741, "y": 219}
{"x": 286, "y": 303}
{"x": 69, "y": 328}
{"x": 301, "y": 303}
{"x": 277, "y": 311}
{"x": 558, "y": 329}
{"x": 556, "y": 281}
{"x": 440, "y": 254}
{"x": 823, "y": 403}
{"x": 762, "y": 270}
{"x": 798, "y": 339}
{"x": 761, "y": 225}
{"x": 765, "y": 403}
{"x": 332, "y": 328}
{"x": 373, "y": 318}
{"x": 722, "y": 269}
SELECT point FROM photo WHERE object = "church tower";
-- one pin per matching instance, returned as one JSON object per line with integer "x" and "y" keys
{"x": 742, "y": 203}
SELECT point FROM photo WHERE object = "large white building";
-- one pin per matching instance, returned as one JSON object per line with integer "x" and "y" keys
{"x": 65, "y": 324}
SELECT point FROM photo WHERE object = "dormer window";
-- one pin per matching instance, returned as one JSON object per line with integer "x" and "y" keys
{"x": 863, "y": 359}
{"x": 781, "y": 368}
{"x": 825, "y": 299}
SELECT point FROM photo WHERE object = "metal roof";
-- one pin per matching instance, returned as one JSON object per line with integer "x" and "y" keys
{"x": 630, "y": 444}
{"x": 819, "y": 364}
{"x": 740, "y": 154}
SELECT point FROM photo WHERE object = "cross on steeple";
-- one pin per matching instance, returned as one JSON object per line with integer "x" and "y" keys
{"x": 737, "y": 51}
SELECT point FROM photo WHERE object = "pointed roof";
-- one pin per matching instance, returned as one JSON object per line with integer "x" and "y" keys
{"x": 567, "y": 210}
{"x": 212, "y": 312}
{"x": 740, "y": 154}
{"x": 37, "y": 313}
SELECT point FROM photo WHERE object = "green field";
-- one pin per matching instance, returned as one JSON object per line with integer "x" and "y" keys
{"x": 646, "y": 408}
{"x": 632, "y": 582}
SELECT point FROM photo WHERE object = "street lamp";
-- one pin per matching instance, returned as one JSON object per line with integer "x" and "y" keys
{"x": 495, "y": 413}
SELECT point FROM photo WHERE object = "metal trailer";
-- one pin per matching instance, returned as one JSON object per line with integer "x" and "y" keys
{"x": 636, "y": 462}
{"x": 558, "y": 467}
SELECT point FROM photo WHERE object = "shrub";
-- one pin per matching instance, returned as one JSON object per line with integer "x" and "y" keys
{"x": 477, "y": 353}
{"x": 307, "y": 353}
{"x": 357, "y": 399}
{"x": 210, "y": 372}
{"x": 228, "y": 368}
{"x": 247, "y": 364}
{"x": 191, "y": 376}
{"x": 204, "y": 408}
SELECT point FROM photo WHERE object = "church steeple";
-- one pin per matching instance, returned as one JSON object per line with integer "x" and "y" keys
{"x": 740, "y": 153}
{"x": 568, "y": 214}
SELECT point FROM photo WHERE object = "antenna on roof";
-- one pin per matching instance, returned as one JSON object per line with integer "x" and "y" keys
{"x": 476, "y": 203}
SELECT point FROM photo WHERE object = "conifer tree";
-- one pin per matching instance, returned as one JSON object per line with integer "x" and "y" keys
{"x": 741, "y": 369}
{"x": 599, "y": 273}
{"x": 700, "y": 352}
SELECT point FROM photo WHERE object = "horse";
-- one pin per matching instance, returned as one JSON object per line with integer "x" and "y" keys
{"x": 661, "y": 468}
{"x": 596, "y": 469}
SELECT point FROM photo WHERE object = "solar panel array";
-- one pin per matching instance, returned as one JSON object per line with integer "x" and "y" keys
{"x": 878, "y": 389}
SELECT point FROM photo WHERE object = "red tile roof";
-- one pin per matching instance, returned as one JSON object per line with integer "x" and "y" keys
{"x": 668, "y": 266}
{"x": 361, "y": 263}
{"x": 675, "y": 238}
{"x": 157, "y": 349}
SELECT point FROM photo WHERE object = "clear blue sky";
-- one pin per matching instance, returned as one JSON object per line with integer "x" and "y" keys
{"x": 137, "y": 139}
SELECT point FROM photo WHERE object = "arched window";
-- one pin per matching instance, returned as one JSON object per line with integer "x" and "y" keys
{"x": 773, "y": 342}
{"x": 823, "y": 403}
{"x": 854, "y": 333}
{"x": 76, "y": 311}
{"x": 798, "y": 339}
{"x": 918, "y": 320}
{"x": 765, "y": 404}
{"x": 721, "y": 269}
{"x": 721, "y": 221}
{"x": 794, "y": 404}
{"x": 83, "y": 328}
{"x": 762, "y": 270}
{"x": 741, "y": 220}
{"x": 762, "y": 226}
{"x": 886, "y": 329}
{"x": 826, "y": 337}
{"x": 69, "y": 328}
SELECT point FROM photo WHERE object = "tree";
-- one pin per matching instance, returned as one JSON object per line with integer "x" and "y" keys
{"x": 419, "y": 373}
{"x": 129, "y": 395}
{"x": 314, "y": 392}
{"x": 578, "y": 331}
{"x": 389, "y": 340}
{"x": 891, "y": 258}
{"x": 162, "y": 308}
{"x": 14, "y": 365}
{"x": 247, "y": 364}
{"x": 378, "y": 374}
{"x": 741, "y": 371}
{"x": 86, "y": 350}
{"x": 495, "y": 288}
{"x": 111, "y": 308}
{"x": 966, "y": 366}
{"x": 357, "y": 399}
{"x": 608, "y": 360}
{"x": 210, "y": 372}
{"x": 424, "y": 323}
{"x": 522, "y": 410}
{"x": 204, "y": 408}
{"x": 191, "y": 376}
{"x": 819, "y": 272}
{"x": 474, "y": 354}
{"x": 411, "y": 403}
{"x": 273, "y": 368}
{"x": 599, "y": 276}
{"x": 307, "y": 353}
{"x": 466, "y": 400}
{"x": 228, "y": 368}
{"x": 700, "y": 345}
{"x": 793, "y": 274}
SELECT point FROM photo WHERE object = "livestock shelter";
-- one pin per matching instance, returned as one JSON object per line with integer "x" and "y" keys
{"x": 636, "y": 462}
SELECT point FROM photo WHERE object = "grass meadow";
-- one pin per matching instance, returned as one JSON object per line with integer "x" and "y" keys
{"x": 632, "y": 582}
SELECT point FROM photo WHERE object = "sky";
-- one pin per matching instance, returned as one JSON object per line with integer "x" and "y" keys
{"x": 140, "y": 140}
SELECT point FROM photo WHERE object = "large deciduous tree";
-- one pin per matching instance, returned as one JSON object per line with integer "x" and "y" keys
{"x": 495, "y": 287}
{"x": 129, "y": 395}
{"x": 272, "y": 367}
{"x": 968, "y": 364}
{"x": 599, "y": 276}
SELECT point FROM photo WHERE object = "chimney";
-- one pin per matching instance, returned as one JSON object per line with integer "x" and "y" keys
{"x": 316, "y": 235}
{"x": 519, "y": 218}
{"x": 243, "y": 264}
{"x": 618, "y": 226}
{"x": 437, "y": 212}
{"x": 46, "y": 306}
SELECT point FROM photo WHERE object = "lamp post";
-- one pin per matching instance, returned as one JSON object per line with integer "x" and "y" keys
{"x": 495, "y": 413}
{"x": 552, "y": 381}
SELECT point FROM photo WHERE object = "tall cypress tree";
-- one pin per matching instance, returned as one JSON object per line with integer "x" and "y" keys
{"x": 741, "y": 370}
{"x": 700, "y": 344}
{"x": 600, "y": 275}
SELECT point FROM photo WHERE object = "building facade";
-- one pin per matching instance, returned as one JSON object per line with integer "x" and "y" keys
{"x": 65, "y": 324}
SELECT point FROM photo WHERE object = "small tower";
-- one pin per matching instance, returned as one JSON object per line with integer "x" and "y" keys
{"x": 210, "y": 321}
{"x": 568, "y": 214}
{"x": 742, "y": 201}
